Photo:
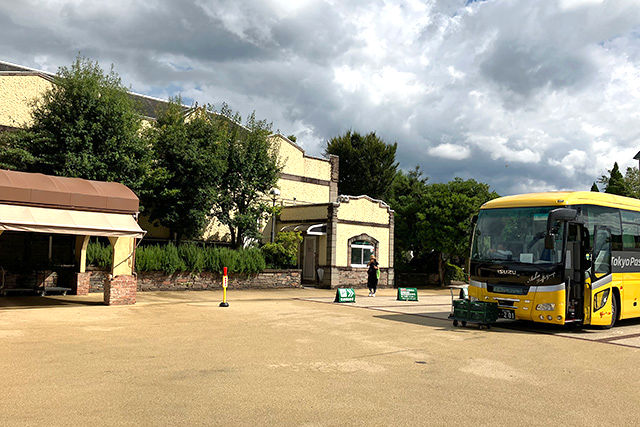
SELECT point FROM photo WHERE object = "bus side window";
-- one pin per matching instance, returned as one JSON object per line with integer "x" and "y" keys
{"x": 606, "y": 217}
{"x": 631, "y": 230}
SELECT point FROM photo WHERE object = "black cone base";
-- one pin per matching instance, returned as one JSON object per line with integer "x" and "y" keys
{"x": 224, "y": 304}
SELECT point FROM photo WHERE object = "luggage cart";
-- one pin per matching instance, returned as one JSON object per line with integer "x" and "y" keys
{"x": 459, "y": 292}
{"x": 42, "y": 289}
{"x": 480, "y": 312}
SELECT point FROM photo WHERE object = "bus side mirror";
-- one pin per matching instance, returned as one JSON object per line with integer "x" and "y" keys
{"x": 560, "y": 214}
{"x": 549, "y": 241}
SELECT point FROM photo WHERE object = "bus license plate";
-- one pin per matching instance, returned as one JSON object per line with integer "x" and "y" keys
{"x": 507, "y": 314}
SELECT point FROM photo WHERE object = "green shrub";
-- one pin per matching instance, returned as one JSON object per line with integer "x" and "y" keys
{"x": 193, "y": 257}
{"x": 283, "y": 252}
{"x": 99, "y": 255}
{"x": 453, "y": 272}
{"x": 249, "y": 261}
{"x": 237, "y": 261}
{"x": 148, "y": 258}
{"x": 212, "y": 260}
{"x": 159, "y": 258}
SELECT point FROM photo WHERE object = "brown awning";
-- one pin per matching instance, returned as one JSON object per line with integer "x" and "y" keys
{"x": 65, "y": 221}
{"x": 36, "y": 189}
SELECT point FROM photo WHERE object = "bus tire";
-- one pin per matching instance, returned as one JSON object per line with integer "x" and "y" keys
{"x": 614, "y": 310}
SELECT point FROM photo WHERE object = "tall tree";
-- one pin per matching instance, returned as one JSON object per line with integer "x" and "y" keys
{"x": 444, "y": 222}
{"x": 615, "y": 183}
{"x": 406, "y": 197}
{"x": 251, "y": 170}
{"x": 632, "y": 182}
{"x": 367, "y": 164}
{"x": 595, "y": 188}
{"x": 85, "y": 126}
{"x": 188, "y": 154}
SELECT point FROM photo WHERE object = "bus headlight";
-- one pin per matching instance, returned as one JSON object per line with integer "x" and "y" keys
{"x": 600, "y": 299}
{"x": 546, "y": 307}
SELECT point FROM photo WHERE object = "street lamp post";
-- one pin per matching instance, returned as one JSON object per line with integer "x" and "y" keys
{"x": 274, "y": 193}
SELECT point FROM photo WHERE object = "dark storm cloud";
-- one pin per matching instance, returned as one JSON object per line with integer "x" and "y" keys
{"x": 523, "y": 69}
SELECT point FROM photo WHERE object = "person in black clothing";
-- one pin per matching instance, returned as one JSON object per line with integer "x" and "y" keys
{"x": 372, "y": 281}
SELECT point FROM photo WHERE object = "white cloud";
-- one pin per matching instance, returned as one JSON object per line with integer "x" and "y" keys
{"x": 574, "y": 161}
{"x": 450, "y": 151}
{"x": 524, "y": 95}
{"x": 574, "y": 4}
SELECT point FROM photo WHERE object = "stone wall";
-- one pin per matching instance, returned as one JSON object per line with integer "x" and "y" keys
{"x": 350, "y": 277}
{"x": 158, "y": 281}
{"x": 97, "y": 279}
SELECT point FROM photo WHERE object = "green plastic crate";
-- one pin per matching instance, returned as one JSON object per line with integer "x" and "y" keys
{"x": 461, "y": 304}
{"x": 475, "y": 312}
{"x": 477, "y": 305}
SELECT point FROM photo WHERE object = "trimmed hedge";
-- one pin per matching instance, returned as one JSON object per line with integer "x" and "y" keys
{"x": 188, "y": 257}
{"x": 99, "y": 255}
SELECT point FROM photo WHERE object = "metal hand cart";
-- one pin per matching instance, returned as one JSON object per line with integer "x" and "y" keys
{"x": 464, "y": 311}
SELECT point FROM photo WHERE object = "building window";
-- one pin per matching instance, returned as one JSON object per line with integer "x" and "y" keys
{"x": 360, "y": 252}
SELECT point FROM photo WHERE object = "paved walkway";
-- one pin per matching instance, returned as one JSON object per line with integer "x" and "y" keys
{"x": 290, "y": 357}
{"x": 436, "y": 304}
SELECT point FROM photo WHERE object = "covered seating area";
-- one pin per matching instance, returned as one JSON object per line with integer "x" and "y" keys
{"x": 45, "y": 226}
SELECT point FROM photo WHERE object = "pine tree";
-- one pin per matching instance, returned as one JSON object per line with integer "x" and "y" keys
{"x": 616, "y": 184}
{"x": 595, "y": 188}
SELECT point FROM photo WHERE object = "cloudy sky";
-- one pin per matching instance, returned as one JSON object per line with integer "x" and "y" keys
{"x": 525, "y": 95}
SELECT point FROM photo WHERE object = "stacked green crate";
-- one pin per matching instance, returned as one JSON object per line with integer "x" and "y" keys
{"x": 461, "y": 309}
{"x": 475, "y": 311}
{"x": 483, "y": 312}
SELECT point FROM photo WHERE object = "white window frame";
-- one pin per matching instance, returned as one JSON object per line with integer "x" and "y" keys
{"x": 369, "y": 246}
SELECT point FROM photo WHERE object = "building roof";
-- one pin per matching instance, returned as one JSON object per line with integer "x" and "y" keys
{"x": 148, "y": 106}
{"x": 36, "y": 189}
{"x": 564, "y": 198}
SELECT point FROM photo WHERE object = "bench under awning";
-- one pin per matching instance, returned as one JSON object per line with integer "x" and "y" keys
{"x": 68, "y": 221}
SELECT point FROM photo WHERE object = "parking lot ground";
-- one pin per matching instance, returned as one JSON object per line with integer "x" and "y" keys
{"x": 293, "y": 357}
{"x": 434, "y": 303}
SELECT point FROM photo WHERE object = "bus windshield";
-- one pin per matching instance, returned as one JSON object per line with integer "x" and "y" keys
{"x": 516, "y": 235}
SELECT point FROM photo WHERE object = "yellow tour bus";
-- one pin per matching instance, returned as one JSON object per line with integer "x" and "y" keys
{"x": 558, "y": 257}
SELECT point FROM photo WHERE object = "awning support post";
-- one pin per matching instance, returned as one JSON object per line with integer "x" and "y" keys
{"x": 121, "y": 260}
{"x": 81, "y": 252}
{"x": 82, "y": 284}
{"x": 120, "y": 288}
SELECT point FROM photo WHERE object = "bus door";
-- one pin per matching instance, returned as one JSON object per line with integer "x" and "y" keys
{"x": 576, "y": 271}
{"x": 598, "y": 294}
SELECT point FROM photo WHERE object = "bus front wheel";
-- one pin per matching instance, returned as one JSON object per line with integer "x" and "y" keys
{"x": 614, "y": 311}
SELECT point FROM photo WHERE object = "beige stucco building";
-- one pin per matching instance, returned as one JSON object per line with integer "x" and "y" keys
{"x": 339, "y": 232}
